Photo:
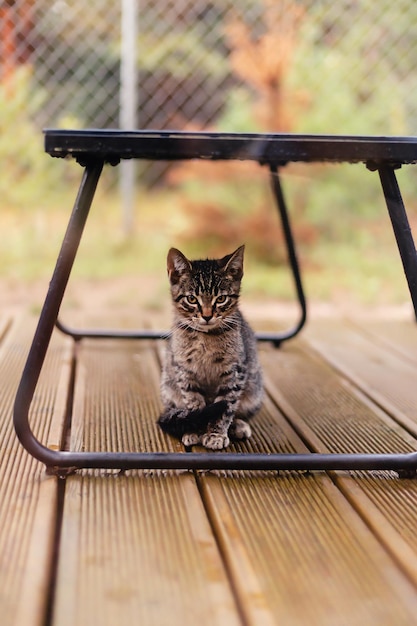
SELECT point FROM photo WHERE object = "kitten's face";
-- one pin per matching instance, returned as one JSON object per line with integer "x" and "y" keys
{"x": 205, "y": 293}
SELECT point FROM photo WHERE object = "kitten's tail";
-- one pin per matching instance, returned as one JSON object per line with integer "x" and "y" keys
{"x": 178, "y": 422}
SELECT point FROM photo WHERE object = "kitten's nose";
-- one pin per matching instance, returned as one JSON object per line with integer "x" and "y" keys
{"x": 207, "y": 318}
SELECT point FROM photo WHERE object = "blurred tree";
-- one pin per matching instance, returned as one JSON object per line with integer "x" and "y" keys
{"x": 264, "y": 61}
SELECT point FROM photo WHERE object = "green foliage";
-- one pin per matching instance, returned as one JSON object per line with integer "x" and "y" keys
{"x": 353, "y": 86}
{"x": 340, "y": 80}
{"x": 237, "y": 114}
{"x": 27, "y": 175}
{"x": 350, "y": 75}
{"x": 179, "y": 53}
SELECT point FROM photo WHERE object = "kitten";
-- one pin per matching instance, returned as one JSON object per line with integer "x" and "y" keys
{"x": 211, "y": 379}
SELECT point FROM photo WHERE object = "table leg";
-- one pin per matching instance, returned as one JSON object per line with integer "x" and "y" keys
{"x": 278, "y": 338}
{"x": 401, "y": 227}
{"x": 89, "y": 333}
{"x": 50, "y": 311}
{"x": 63, "y": 462}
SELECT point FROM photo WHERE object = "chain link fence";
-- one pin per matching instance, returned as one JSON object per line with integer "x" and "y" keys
{"x": 312, "y": 66}
{"x": 317, "y": 65}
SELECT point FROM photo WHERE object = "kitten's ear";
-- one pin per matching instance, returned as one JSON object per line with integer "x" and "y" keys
{"x": 177, "y": 264}
{"x": 233, "y": 263}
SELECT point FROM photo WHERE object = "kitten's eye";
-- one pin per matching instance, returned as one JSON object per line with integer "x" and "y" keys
{"x": 191, "y": 299}
{"x": 221, "y": 299}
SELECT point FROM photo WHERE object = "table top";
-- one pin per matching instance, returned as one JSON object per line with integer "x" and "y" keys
{"x": 112, "y": 145}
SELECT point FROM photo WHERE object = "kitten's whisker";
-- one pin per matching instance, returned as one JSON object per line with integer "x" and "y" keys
{"x": 183, "y": 324}
{"x": 229, "y": 323}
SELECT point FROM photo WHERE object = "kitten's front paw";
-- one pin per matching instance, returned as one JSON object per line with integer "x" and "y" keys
{"x": 215, "y": 441}
{"x": 190, "y": 439}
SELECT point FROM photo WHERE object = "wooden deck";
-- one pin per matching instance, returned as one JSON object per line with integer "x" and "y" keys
{"x": 213, "y": 548}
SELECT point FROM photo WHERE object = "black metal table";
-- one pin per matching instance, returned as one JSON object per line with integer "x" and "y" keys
{"x": 93, "y": 149}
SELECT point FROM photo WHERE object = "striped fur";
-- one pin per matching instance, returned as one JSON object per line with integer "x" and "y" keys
{"x": 211, "y": 380}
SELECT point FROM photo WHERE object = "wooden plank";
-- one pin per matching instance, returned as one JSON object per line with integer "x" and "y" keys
{"x": 117, "y": 398}
{"x": 6, "y": 322}
{"x": 295, "y": 548}
{"x": 297, "y": 551}
{"x": 399, "y": 336}
{"x": 299, "y": 556}
{"x": 331, "y": 415}
{"x": 135, "y": 547}
{"x": 381, "y": 372}
{"x": 28, "y": 499}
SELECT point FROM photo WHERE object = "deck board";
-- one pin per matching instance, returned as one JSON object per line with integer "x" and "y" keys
{"x": 399, "y": 336}
{"x": 378, "y": 369}
{"x": 299, "y": 554}
{"x": 28, "y": 499}
{"x": 135, "y": 548}
{"x": 165, "y": 547}
{"x": 277, "y": 531}
{"x": 333, "y": 416}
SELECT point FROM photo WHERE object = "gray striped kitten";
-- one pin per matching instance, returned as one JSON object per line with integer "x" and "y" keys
{"x": 211, "y": 380}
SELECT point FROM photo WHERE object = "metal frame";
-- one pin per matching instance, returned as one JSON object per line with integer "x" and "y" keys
{"x": 92, "y": 149}
{"x": 276, "y": 338}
